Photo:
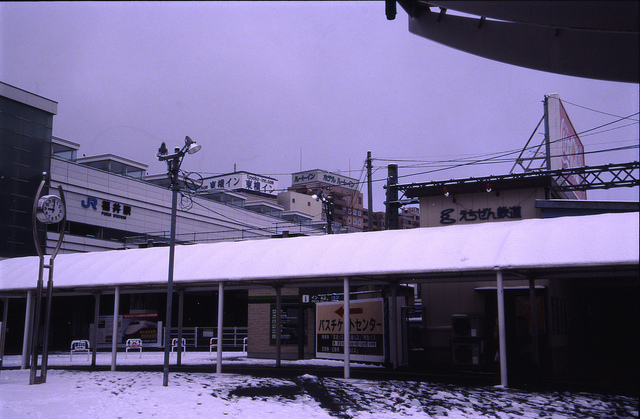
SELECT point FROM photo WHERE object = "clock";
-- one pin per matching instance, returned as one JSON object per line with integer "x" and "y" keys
{"x": 50, "y": 209}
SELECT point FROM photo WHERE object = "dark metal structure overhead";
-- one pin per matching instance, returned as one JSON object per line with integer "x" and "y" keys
{"x": 590, "y": 39}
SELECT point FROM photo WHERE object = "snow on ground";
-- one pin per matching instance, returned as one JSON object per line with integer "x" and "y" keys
{"x": 77, "y": 392}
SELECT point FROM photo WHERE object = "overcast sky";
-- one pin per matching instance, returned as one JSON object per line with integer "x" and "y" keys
{"x": 279, "y": 87}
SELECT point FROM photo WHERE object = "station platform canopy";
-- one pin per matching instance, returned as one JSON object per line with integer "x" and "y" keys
{"x": 601, "y": 245}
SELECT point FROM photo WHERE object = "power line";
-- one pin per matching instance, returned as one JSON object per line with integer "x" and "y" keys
{"x": 591, "y": 109}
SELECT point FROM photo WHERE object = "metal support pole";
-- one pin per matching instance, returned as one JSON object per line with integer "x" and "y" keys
{"x": 501, "y": 329}
{"x": 28, "y": 326}
{"x": 47, "y": 322}
{"x": 114, "y": 333}
{"x": 533, "y": 324}
{"x": 392, "y": 218}
{"x": 180, "y": 312}
{"x": 393, "y": 325}
{"x": 172, "y": 250}
{"x": 347, "y": 330}
{"x": 278, "y": 326}
{"x": 94, "y": 335}
{"x": 3, "y": 330}
{"x": 36, "y": 325}
{"x": 547, "y": 133}
{"x": 220, "y": 327}
{"x": 369, "y": 192}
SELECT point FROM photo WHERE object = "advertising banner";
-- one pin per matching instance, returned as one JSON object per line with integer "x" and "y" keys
{"x": 566, "y": 149}
{"x": 143, "y": 326}
{"x": 366, "y": 325}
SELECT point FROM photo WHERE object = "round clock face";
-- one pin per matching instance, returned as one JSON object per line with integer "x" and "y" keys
{"x": 50, "y": 209}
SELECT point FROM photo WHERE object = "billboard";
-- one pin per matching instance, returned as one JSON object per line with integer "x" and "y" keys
{"x": 144, "y": 326}
{"x": 241, "y": 180}
{"x": 565, "y": 148}
{"x": 321, "y": 176}
{"x": 366, "y": 325}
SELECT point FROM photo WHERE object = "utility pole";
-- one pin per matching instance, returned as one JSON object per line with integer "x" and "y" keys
{"x": 392, "y": 218}
{"x": 369, "y": 193}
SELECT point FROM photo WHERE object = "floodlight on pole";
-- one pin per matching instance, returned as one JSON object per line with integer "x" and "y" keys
{"x": 327, "y": 207}
{"x": 173, "y": 168}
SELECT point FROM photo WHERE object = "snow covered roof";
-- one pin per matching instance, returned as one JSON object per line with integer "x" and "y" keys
{"x": 543, "y": 245}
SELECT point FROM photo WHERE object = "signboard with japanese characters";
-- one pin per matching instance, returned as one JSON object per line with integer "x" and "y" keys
{"x": 509, "y": 205}
{"x": 289, "y": 325}
{"x": 241, "y": 181}
{"x": 321, "y": 176}
{"x": 106, "y": 207}
{"x": 366, "y": 326}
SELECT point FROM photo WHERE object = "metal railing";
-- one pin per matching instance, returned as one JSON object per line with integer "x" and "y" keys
{"x": 199, "y": 337}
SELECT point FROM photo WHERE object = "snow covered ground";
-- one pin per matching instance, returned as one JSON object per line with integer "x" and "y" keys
{"x": 77, "y": 392}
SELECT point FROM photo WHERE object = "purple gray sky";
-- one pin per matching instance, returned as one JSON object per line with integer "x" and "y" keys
{"x": 276, "y": 87}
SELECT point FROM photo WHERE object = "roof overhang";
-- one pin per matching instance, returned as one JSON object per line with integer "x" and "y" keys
{"x": 603, "y": 245}
{"x": 590, "y": 39}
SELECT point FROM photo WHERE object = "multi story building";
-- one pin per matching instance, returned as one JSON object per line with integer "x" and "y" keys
{"x": 341, "y": 191}
{"x": 26, "y": 124}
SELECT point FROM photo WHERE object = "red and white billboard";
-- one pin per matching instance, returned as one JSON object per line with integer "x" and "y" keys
{"x": 566, "y": 149}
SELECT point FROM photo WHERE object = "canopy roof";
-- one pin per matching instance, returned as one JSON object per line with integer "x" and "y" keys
{"x": 538, "y": 246}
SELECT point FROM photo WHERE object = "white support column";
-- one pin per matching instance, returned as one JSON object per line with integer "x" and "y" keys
{"x": 220, "y": 331}
{"x": 501, "y": 328}
{"x": 278, "y": 326}
{"x": 347, "y": 330}
{"x": 28, "y": 325}
{"x": 94, "y": 335}
{"x": 180, "y": 319}
{"x": 114, "y": 335}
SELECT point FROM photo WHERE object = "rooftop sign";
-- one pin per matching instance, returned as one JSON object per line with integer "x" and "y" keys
{"x": 241, "y": 180}
{"x": 321, "y": 176}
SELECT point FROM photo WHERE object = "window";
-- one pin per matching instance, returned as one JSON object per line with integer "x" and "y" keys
{"x": 293, "y": 200}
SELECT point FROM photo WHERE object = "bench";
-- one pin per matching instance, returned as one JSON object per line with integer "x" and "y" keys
{"x": 80, "y": 345}
{"x": 133, "y": 345}
{"x": 174, "y": 345}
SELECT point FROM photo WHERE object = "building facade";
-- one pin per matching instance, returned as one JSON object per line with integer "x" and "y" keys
{"x": 342, "y": 192}
{"x": 26, "y": 124}
{"x": 111, "y": 206}
{"x": 554, "y": 327}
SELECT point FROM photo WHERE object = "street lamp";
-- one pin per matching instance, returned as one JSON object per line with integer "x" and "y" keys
{"x": 173, "y": 167}
{"x": 327, "y": 207}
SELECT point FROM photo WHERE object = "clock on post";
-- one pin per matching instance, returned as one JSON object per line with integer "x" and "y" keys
{"x": 47, "y": 209}
{"x": 50, "y": 209}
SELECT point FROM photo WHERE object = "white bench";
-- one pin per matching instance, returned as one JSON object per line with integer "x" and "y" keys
{"x": 133, "y": 345}
{"x": 80, "y": 345}
{"x": 174, "y": 345}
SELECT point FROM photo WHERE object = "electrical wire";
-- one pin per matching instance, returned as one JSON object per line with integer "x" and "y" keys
{"x": 591, "y": 109}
